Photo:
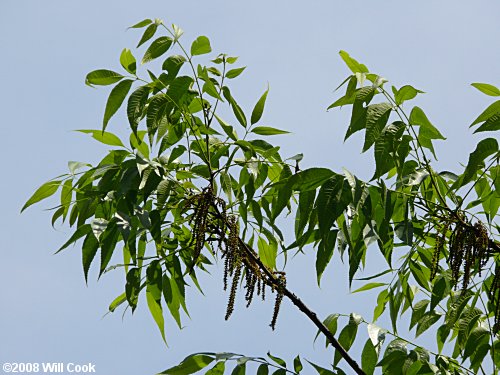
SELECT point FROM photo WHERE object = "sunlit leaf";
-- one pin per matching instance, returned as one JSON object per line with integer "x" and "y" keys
{"x": 189, "y": 365}
{"x": 148, "y": 34}
{"x": 201, "y": 46}
{"x": 143, "y": 23}
{"x": 44, "y": 191}
{"x": 128, "y": 62}
{"x": 115, "y": 100}
{"x": 117, "y": 302}
{"x": 369, "y": 286}
{"x": 104, "y": 137}
{"x": 484, "y": 148}
{"x": 102, "y": 77}
{"x": 266, "y": 130}
{"x": 369, "y": 358}
{"x": 352, "y": 64}
{"x": 157, "y": 48}
{"x": 487, "y": 89}
{"x": 135, "y": 106}
{"x": 233, "y": 73}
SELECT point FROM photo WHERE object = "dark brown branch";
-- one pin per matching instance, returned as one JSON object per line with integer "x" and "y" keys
{"x": 302, "y": 307}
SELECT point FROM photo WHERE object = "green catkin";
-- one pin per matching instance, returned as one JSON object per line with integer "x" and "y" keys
{"x": 279, "y": 298}
{"x": 232, "y": 293}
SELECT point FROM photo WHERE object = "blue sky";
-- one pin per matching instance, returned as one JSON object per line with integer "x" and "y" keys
{"x": 48, "y": 314}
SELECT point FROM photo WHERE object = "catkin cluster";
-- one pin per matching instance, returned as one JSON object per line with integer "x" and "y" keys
{"x": 210, "y": 222}
{"x": 469, "y": 252}
{"x": 240, "y": 259}
{"x": 202, "y": 221}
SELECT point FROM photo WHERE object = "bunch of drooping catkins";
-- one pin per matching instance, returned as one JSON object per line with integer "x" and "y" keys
{"x": 203, "y": 201}
{"x": 210, "y": 218}
{"x": 240, "y": 258}
{"x": 468, "y": 249}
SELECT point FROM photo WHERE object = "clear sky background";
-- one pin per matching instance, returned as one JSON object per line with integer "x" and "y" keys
{"x": 47, "y": 312}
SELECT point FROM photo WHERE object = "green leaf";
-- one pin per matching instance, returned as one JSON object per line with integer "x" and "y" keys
{"x": 141, "y": 24}
{"x": 484, "y": 148}
{"x": 325, "y": 253}
{"x": 376, "y": 119}
{"x": 278, "y": 360}
{"x": 156, "y": 114}
{"x": 492, "y": 124}
{"x": 304, "y": 209}
{"x": 405, "y": 93}
{"x": 441, "y": 336}
{"x": 346, "y": 339}
{"x": 333, "y": 198}
{"x": 79, "y": 233}
{"x": 439, "y": 291}
{"x": 239, "y": 369}
{"x": 358, "y": 116}
{"x": 266, "y": 130}
{"x": 201, "y": 46}
{"x": 172, "y": 297}
{"x": 218, "y": 369}
{"x": 89, "y": 249}
{"x": 115, "y": 100}
{"x": 148, "y": 34}
{"x": 133, "y": 287}
{"x": 211, "y": 90}
{"x": 487, "y": 89}
{"x": 310, "y": 179}
{"x": 331, "y": 323}
{"x": 352, "y": 64}
{"x": 46, "y": 190}
{"x": 172, "y": 65}
{"x": 369, "y": 358}
{"x": 190, "y": 365}
{"x": 427, "y": 131}
{"x": 259, "y": 108}
{"x": 427, "y": 321}
{"x": 104, "y": 137}
{"x": 297, "y": 364}
{"x": 418, "y": 311}
{"x": 256, "y": 211}
{"x": 267, "y": 252}
{"x": 369, "y": 286}
{"x": 238, "y": 112}
{"x": 233, "y": 73}
{"x": 157, "y": 48}
{"x": 117, "y": 302}
{"x": 474, "y": 341}
{"x": 108, "y": 243}
{"x": 263, "y": 370}
{"x": 321, "y": 370}
{"x": 135, "y": 106}
{"x": 156, "y": 313}
{"x": 128, "y": 61}
{"x": 179, "y": 88}
{"x": 102, "y": 77}
{"x": 492, "y": 109}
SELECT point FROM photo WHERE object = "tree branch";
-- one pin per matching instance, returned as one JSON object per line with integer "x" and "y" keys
{"x": 302, "y": 307}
